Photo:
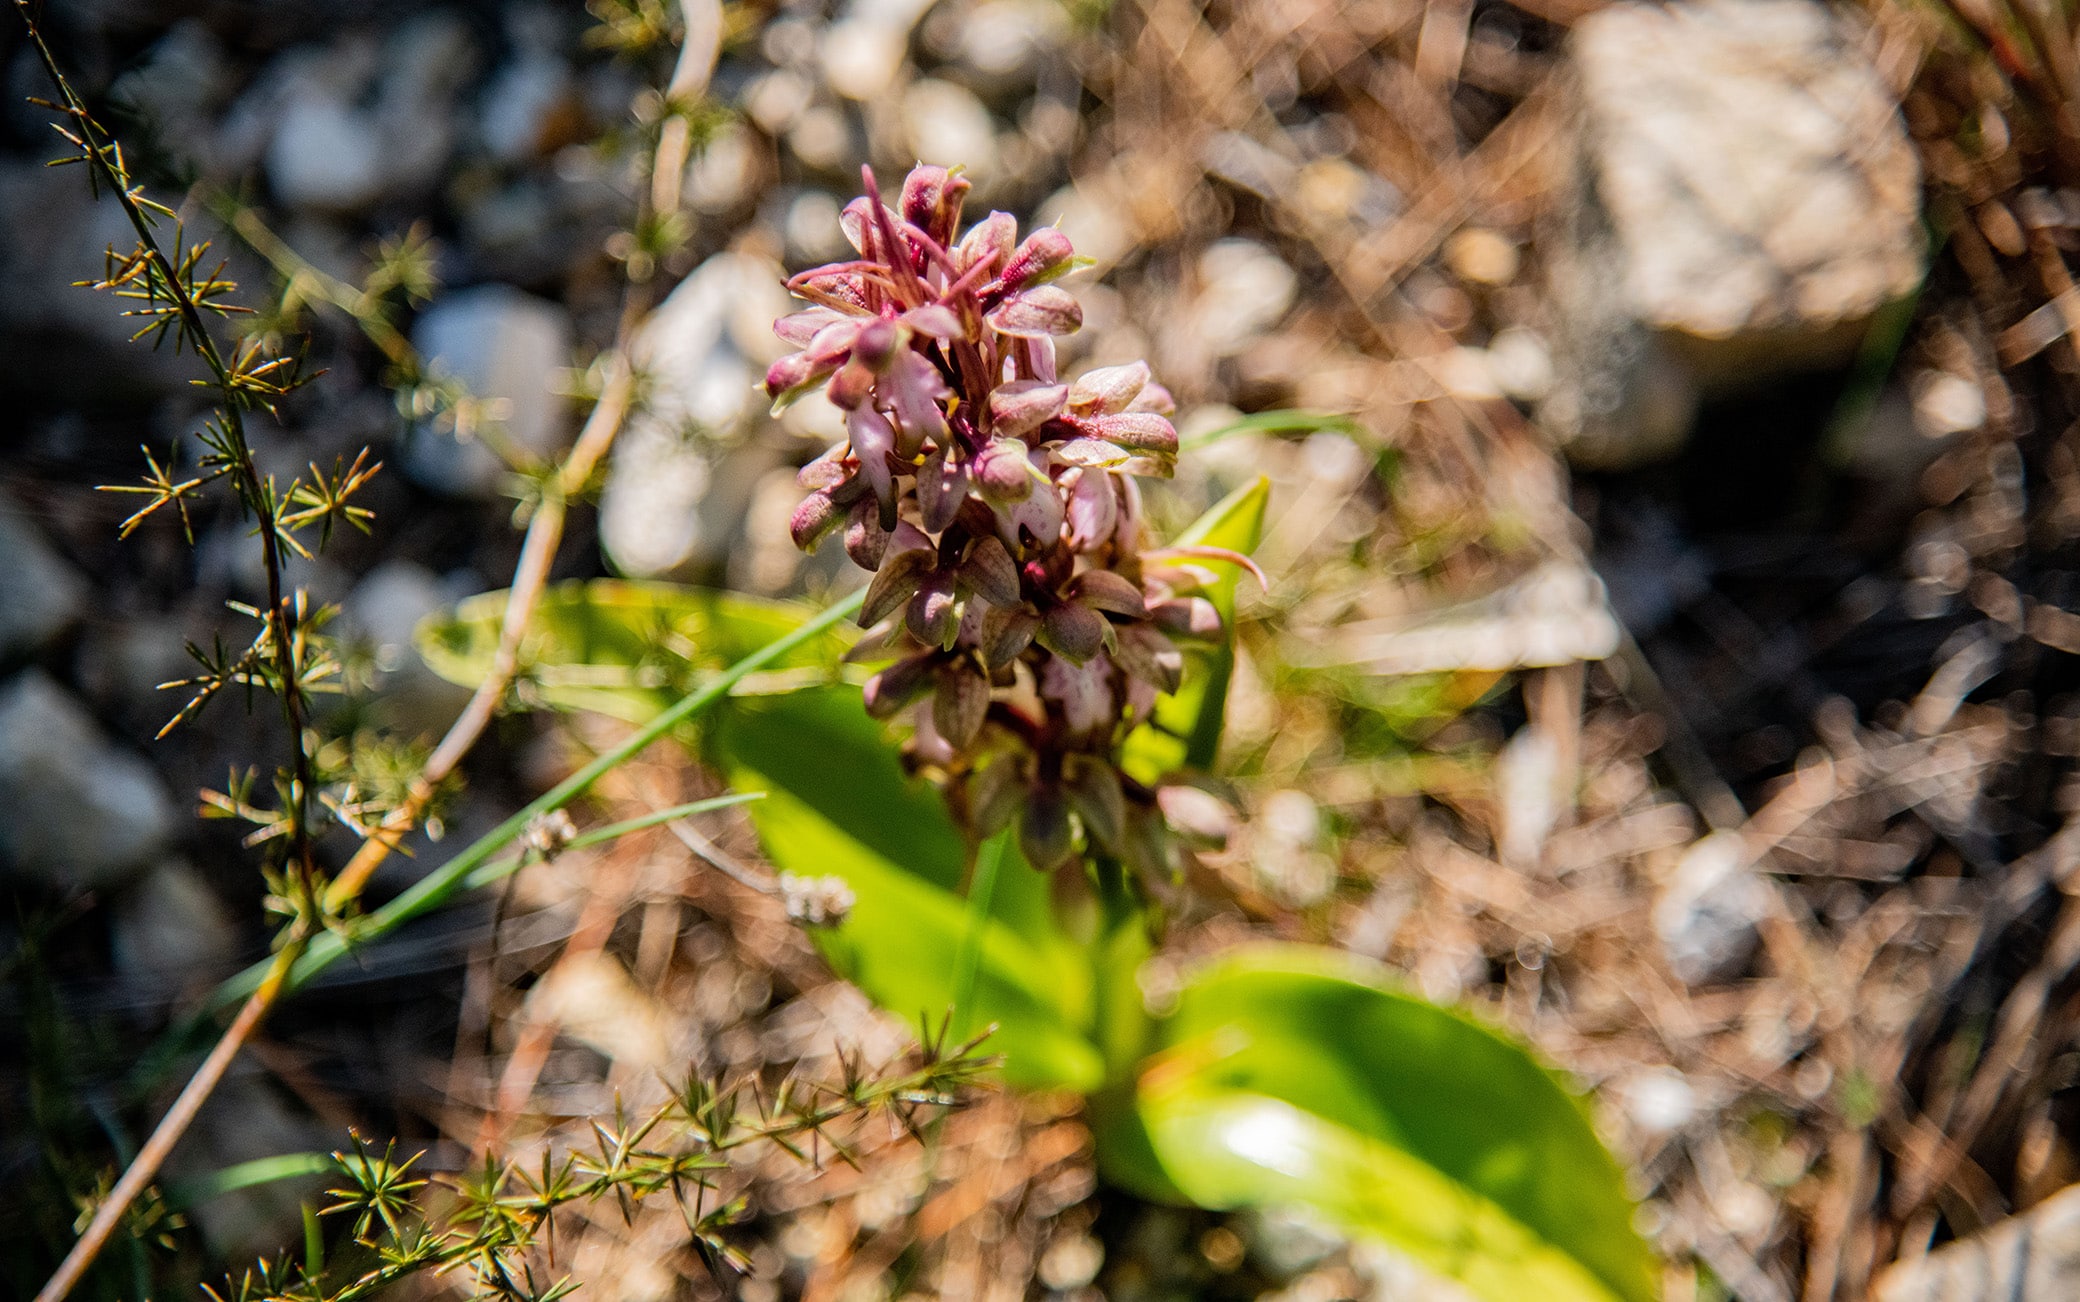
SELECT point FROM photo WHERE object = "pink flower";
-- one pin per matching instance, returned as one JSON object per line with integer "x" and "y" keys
{"x": 993, "y": 501}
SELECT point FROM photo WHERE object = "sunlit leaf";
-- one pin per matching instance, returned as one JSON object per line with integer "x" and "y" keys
{"x": 1185, "y": 730}
{"x": 840, "y": 804}
{"x": 621, "y": 648}
{"x": 1296, "y": 1076}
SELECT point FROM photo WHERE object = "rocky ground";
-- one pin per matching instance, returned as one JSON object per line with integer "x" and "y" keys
{"x": 1672, "y": 653}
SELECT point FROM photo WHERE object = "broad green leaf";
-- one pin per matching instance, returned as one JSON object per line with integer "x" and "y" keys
{"x": 1185, "y": 729}
{"x": 621, "y": 648}
{"x": 840, "y": 803}
{"x": 1298, "y": 1076}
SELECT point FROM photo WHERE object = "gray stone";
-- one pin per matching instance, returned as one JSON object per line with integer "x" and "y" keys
{"x": 41, "y": 594}
{"x": 666, "y": 509}
{"x": 349, "y": 125}
{"x": 509, "y": 350}
{"x": 169, "y": 929}
{"x": 1743, "y": 196}
{"x": 2034, "y": 1257}
{"x": 1708, "y": 911}
{"x": 382, "y": 613}
{"x": 76, "y": 811}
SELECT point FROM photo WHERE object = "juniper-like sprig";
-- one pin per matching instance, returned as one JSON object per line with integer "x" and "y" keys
{"x": 996, "y": 504}
{"x": 491, "y": 1222}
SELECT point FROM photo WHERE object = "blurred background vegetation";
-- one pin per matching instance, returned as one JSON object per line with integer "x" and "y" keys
{"x": 1667, "y": 651}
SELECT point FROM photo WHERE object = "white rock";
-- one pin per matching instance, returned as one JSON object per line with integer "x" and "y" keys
{"x": 1658, "y": 1100}
{"x": 1707, "y": 914}
{"x": 41, "y": 594}
{"x": 169, "y": 928}
{"x": 947, "y": 125}
{"x": 1520, "y": 363}
{"x": 861, "y": 59}
{"x": 703, "y": 391}
{"x": 1244, "y": 289}
{"x": 1527, "y": 790}
{"x": 515, "y": 112}
{"x": 76, "y": 812}
{"x": 325, "y": 154}
{"x": 348, "y": 125}
{"x": 2034, "y": 1257}
{"x": 722, "y": 175}
{"x": 383, "y": 611}
{"x": 1743, "y": 197}
{"x": 509, "y": 349}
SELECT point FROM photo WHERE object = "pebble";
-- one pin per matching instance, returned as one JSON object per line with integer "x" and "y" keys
{"x": 76, "y": 811}
{"x": 509, "y": 349}
{"x": 523, "y": 109}
{"x": 1530, "y": 796}
{"x": 169, "y": 929}
{"x": 383, "y": 612}
{"x": 41, "y": 593}
{"x": 325, "y": 154}
{"x": 2033, "y": 1257}
{"x": 1743, "y": 197}
{"x": 1658, "y": 1100}
{"x": 1244, "y": 289}
{"x": 947, "y": 124}
{"x": 1707, "y": 913}
{"x": 705, "y": 348}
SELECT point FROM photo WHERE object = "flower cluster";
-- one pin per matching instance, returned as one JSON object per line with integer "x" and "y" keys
{"x": 996, "y": 505}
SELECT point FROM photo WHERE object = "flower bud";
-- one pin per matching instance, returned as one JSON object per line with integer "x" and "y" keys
{"x": 1093, "y": 510}
{"x": 1002, "y": 473}
{"x": 1043, "y": 833}
{"x": 994, "y": 793}
{"x": 1105, "y": 590}
{"x": 895, "y": 583}
{"x": 960, "y": 703}
{"x": 996, "y": 233}
{"x": 814, "y": 518}
{"x": 898, "y": 685}
{"x": 866, "y": 542}
{"x": 1022, "y": 406}
{"x": 990, "y": 572}
{"x": 1073, "y": 631}
{"x": 1193, "y": 617}
{"x": 1042, "y": 310}
{"x": 799, "y": 328}
{"x": 933, "y": 615}
{"x": 1044, "y": 250}
{"x": 1092, "y": 785}
{"x": 1142, "y": 430}
{"x": 1108, "y": 389}
{"x": 876, "y": 344}
{"x": 932, "y": 201}
{"x": 791, "y": 376}
{"x": 942, "y": 485}
{"x": 1083, "y": 692}
{"x": 1006, "y": 632}
{"x": 1149, "y": 656}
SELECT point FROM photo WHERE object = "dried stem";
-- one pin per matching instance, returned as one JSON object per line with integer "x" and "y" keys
{"x": 544, "y": 537}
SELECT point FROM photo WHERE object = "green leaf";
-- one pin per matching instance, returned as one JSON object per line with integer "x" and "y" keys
{"x": 1185, "y": 729}
{"x": 624, "y": 649}
{"x": 1297, "y": 1076}
{"x": 839, "y": 803}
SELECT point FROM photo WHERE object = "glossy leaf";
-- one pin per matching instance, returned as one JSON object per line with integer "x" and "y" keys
{"x": 1185, "y": 730}
{"x": 621, "y": 648}
{"x": 1297, "y": 1076}
{"x": 839, "y": 802}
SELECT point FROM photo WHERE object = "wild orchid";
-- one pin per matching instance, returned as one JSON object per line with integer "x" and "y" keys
{"x": 998, "y": 508}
